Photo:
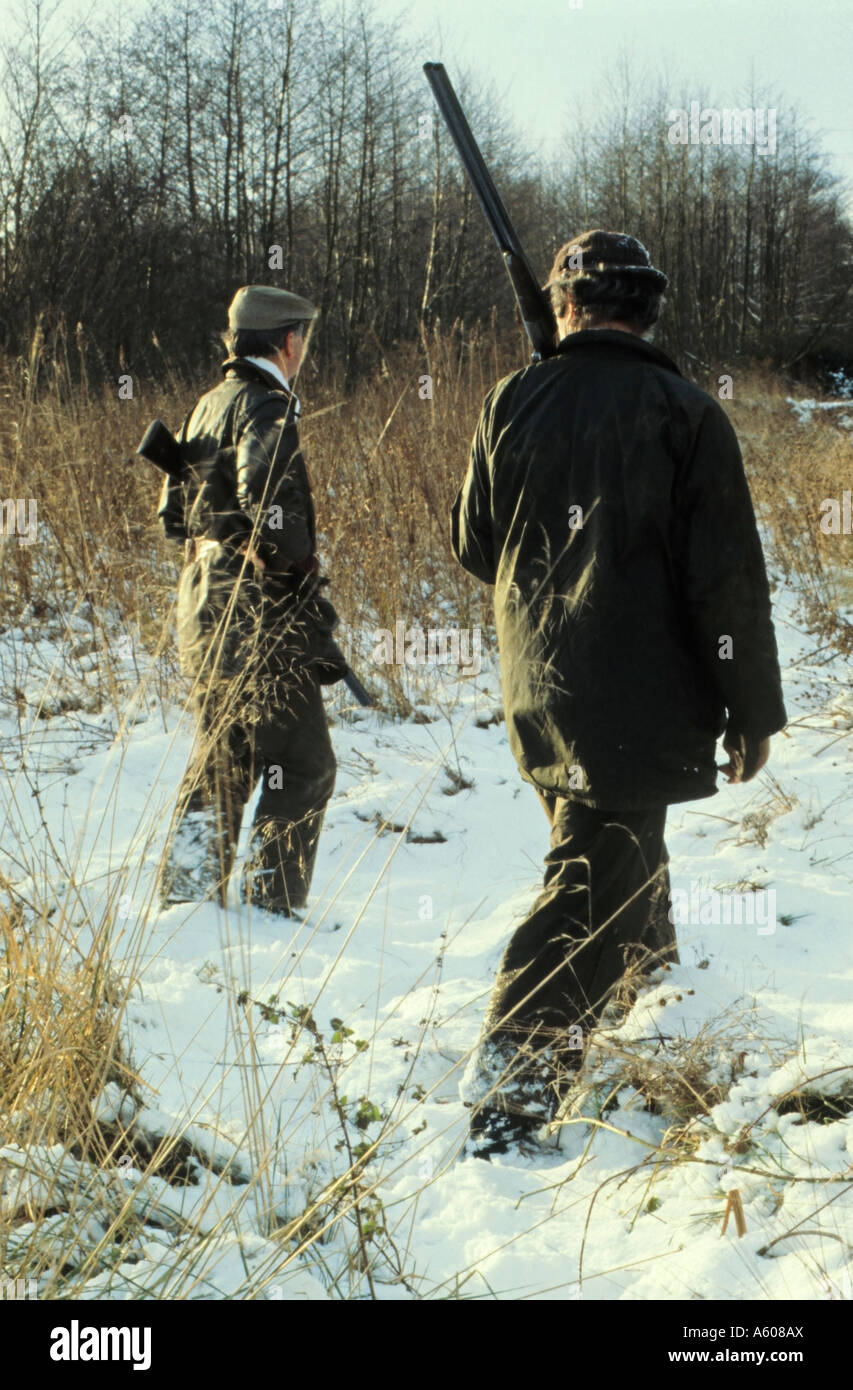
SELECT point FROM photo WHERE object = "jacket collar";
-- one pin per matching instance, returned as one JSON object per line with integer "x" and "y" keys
{"x": 266, "y": 364}
{"x": 614, "y": 341}
{"x": 249, "y": 371}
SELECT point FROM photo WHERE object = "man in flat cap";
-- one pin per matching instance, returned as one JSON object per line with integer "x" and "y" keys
{"x": 254, "y": 631}
{"x": 606, "y": 501}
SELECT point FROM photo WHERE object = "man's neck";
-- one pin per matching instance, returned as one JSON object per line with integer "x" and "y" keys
{"x": 267, "y": 365}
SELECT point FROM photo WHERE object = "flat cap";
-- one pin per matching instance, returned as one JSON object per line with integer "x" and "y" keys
{"x": 264, "y": 306}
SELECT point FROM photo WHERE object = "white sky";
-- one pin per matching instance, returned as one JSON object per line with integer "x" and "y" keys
{"x": 543, "y": 54}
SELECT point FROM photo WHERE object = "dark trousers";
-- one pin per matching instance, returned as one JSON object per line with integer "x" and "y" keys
{"x": 287, "y": 745}
{"x": 604, "y": 908}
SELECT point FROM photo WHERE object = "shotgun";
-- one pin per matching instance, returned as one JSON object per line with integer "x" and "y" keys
{"x": 160, "y": 447}
{"x": 536, "y": 315}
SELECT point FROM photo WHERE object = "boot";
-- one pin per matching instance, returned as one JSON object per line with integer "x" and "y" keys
{"x": 280, "y": 864}
{"x": 197, "y": 863}
{"x": 515, "y": 1087}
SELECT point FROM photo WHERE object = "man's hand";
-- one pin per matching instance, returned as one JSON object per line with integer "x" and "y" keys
{"x": 747, "y": 756}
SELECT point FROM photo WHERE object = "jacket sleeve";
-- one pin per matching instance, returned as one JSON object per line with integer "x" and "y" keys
{"x": 723, "y": 579}
{"x": 471, "y": 518}
{"x": 272, "y": 486}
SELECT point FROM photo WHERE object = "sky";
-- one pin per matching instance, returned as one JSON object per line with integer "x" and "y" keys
{"x": 543, "y": 56}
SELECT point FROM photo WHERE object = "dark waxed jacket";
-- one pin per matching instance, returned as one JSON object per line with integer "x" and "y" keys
{"x": 612, "y": 619}
{"x": 241, "y": 444}
{"x": 244, "y": 476}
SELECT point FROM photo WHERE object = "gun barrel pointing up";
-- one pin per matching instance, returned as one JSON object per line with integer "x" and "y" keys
{"x": 533, "y": 305}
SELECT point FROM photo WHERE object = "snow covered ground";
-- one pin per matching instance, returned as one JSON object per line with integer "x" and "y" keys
{"x": 431, "y": 851}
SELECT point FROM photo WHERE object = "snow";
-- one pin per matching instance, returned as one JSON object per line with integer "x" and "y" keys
{"x": 804, "y": 410}
{"x": 401, "y": 945}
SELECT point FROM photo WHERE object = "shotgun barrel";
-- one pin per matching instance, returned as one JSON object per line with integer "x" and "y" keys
{"x": 532, "y": 302}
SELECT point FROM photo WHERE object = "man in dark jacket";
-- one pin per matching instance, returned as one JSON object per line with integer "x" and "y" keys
{"x": 606, "y": 502}
{"x": 254, "y": 632}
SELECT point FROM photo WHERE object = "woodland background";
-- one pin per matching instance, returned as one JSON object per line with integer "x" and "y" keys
{"x": 148, "y": 165}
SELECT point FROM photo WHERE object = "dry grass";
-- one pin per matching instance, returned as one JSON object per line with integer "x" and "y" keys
{"x": 792, "y": 470}
{"x": 60, "y": 1040}
{"x": 679, "y": 1078}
